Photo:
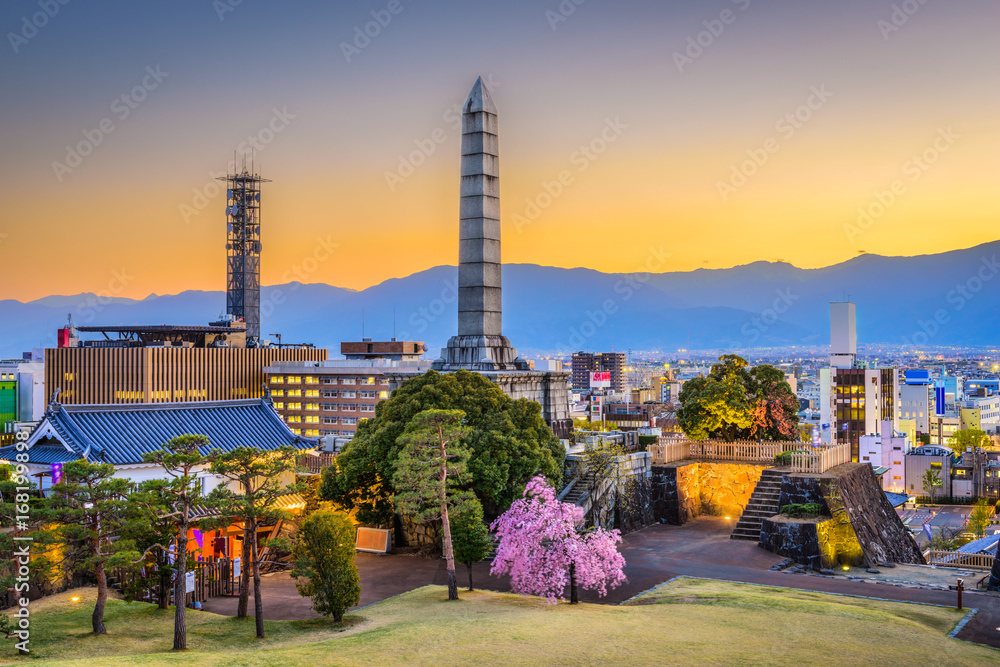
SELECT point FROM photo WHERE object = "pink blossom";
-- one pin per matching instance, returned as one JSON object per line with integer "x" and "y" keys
{"x": 538, "y": 540}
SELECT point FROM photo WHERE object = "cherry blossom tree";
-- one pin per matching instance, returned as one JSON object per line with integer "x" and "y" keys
{"x": 540, "y": 545}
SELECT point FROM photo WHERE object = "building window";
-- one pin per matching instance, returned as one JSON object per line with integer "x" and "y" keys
{"x": 312, "y": 406}
{"x": 348, "y": 394}
{"x": 347, "y": 380}
{"x": 329, "y": 380}
{"x": 312, "y": 419}
{"x": 279, "y": 406}
{"x": 348, "y": 407}
{"x": 294, "y": 379}
{"x": 367, "y": 408}
{"x": 369, "y": 380}
{"x": 367, "y": 394}
{"x": 329, "y": 394}
{"x": 383, "y": 395}
{"x": 294, "y": 392}
{"x": 329, "y": 420}
{"x": 312, "y": 433}
{"x": 312, "y": 393}
{"x": 310, "y": 379}
{"x": 294, "y": 406}
{"x": 348, "y": 421}
{"x": 277, "y": 379}
{"x": 295, "y": 431}
{"x": 293, "y": 419}
{"x": 329, "y": 406}
{"x": 277, "y": 393}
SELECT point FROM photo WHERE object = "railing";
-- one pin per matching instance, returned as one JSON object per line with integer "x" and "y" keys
{"x": 213, "y": 578}
{"x": 959, "y": 559}
{"x": 819, "y": 460}
{"x": 315, "y": 463}
{"x": 677, "y": 449}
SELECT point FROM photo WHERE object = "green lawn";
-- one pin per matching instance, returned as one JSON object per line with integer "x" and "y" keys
{"x": 689, "y": 621}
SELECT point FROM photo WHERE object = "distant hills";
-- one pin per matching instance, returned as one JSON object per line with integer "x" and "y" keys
{"x": 950, "y": 298}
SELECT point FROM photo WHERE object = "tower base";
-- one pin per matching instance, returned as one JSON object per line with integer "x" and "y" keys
{"x": 481, "y": 354}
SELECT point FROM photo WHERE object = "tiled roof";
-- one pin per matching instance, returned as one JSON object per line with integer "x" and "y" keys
{"x": 121, "y": 434}
{"x": 897, "y": 499}
{"x": 987, "y": 545}
{"x": 40, "y": 454}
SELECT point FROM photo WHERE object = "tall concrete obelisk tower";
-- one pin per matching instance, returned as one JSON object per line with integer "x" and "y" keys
{"x": 480, "y": 344}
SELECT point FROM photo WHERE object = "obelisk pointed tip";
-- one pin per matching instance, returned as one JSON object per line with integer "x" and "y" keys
{"x": 480, "y": 99}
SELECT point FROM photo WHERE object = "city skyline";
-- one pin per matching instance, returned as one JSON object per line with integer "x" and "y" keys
{"x": 893, "y": 118}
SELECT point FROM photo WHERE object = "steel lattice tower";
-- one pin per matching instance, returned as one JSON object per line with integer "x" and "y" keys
{"x": 243, "y": 248}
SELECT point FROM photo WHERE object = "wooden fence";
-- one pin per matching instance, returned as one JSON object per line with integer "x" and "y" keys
{"x": 959, "y": 559}
{"x": 804, "y": 457}
{"x": 820, "y": 459}
{"x": 213, "y": 578}
{"x": 315, "y": 463}
{"x": 677, "y": 449}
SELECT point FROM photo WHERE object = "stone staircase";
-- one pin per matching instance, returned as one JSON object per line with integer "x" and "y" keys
{"x": 579, "y": 490}
{"x": 763, "y": 503}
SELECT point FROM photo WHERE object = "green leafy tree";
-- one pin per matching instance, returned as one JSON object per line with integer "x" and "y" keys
{"x": 969, "y": 437}
{"x": 735, "y": 401}
{"x": 431, "y": 470}
{"x": 324, "y": 563}
{"x": 258, "y": 476}
{"x": 980, "y": 517}
{"x": 177, "y": 498}
{"x": 150, "y": 567}
{"x": 90, "y": 507}
{"x": 932, "y": 480}
{"x": 508, "y": 442}
{"x": 470, "y": 535}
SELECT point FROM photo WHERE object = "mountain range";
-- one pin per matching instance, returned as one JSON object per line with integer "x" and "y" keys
{"x": 946, "y": 299}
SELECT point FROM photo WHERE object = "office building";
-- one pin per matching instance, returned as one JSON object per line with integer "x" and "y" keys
{"x": 585, "y": 363}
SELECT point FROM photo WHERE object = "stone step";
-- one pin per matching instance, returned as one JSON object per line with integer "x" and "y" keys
{"x": 762, "y": 513}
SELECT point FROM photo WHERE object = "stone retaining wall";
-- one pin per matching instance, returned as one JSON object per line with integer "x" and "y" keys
{"x": 863, "y": 528}
{"x": 684, "y": 490}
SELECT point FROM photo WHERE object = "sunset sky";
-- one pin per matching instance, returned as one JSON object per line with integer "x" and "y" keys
{"x": 673, "y": 131}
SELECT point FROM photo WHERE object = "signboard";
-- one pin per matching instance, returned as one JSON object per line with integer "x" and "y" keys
{"x": 57, "y": 472}
{"x": 189, "y": 582}
{"x": 600, "y": 379}
{"x": 236, "y": 568}
{"x": 375, "y": 540}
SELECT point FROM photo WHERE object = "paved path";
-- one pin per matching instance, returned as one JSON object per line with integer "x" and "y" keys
{"x": 701, "y": 548}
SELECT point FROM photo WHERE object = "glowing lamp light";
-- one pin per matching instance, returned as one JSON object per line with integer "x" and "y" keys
{"x": 75, "y": 598}
{"x": 847, "y": 568}
{"x": 728, "y": 519}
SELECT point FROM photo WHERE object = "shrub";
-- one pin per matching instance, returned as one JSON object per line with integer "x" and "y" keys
{"x": 803, "y": 510}
{"x": 785, "y": 458}
{"x": 324, "y": 563}
{"x": 646, "y": 440}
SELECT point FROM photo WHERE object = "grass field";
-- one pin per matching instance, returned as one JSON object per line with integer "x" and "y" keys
{"x": 688, "y": 621}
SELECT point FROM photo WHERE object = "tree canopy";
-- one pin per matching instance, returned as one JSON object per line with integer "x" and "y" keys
{"x": 508, "y": 441}
{"x": 737, "y": 401}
